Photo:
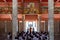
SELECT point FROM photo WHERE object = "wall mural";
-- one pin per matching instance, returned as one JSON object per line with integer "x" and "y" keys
{"x": 31, "y": 8}
{"x": 5, "y": 10}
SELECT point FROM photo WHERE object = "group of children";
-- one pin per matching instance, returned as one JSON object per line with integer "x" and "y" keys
{"x": 31, "y": 35}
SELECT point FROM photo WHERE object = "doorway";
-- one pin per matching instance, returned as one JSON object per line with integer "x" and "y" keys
{"x": 31, "y": 24}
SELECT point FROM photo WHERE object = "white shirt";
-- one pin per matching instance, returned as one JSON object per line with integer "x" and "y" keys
{"x": 20, "y": 38}
{"x": 35, "y": 38}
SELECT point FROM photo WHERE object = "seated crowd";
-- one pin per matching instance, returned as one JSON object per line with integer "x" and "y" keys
{"x": 32, "y": 35}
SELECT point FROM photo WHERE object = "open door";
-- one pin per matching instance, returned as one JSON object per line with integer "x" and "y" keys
{"x": 31, "y": 22}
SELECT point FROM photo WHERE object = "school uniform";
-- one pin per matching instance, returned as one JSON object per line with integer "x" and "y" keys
{"x": 20, "y": 38}
{"x": 35, "y": 38}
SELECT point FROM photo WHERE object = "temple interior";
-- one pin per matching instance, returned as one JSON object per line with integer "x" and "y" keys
{"x": 23, "y": 15}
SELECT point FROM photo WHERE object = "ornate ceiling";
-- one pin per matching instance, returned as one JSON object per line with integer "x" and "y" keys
{"x": 27, "y": 0}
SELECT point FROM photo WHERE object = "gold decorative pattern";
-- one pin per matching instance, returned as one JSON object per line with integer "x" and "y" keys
{"x": 31, "y": 9}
